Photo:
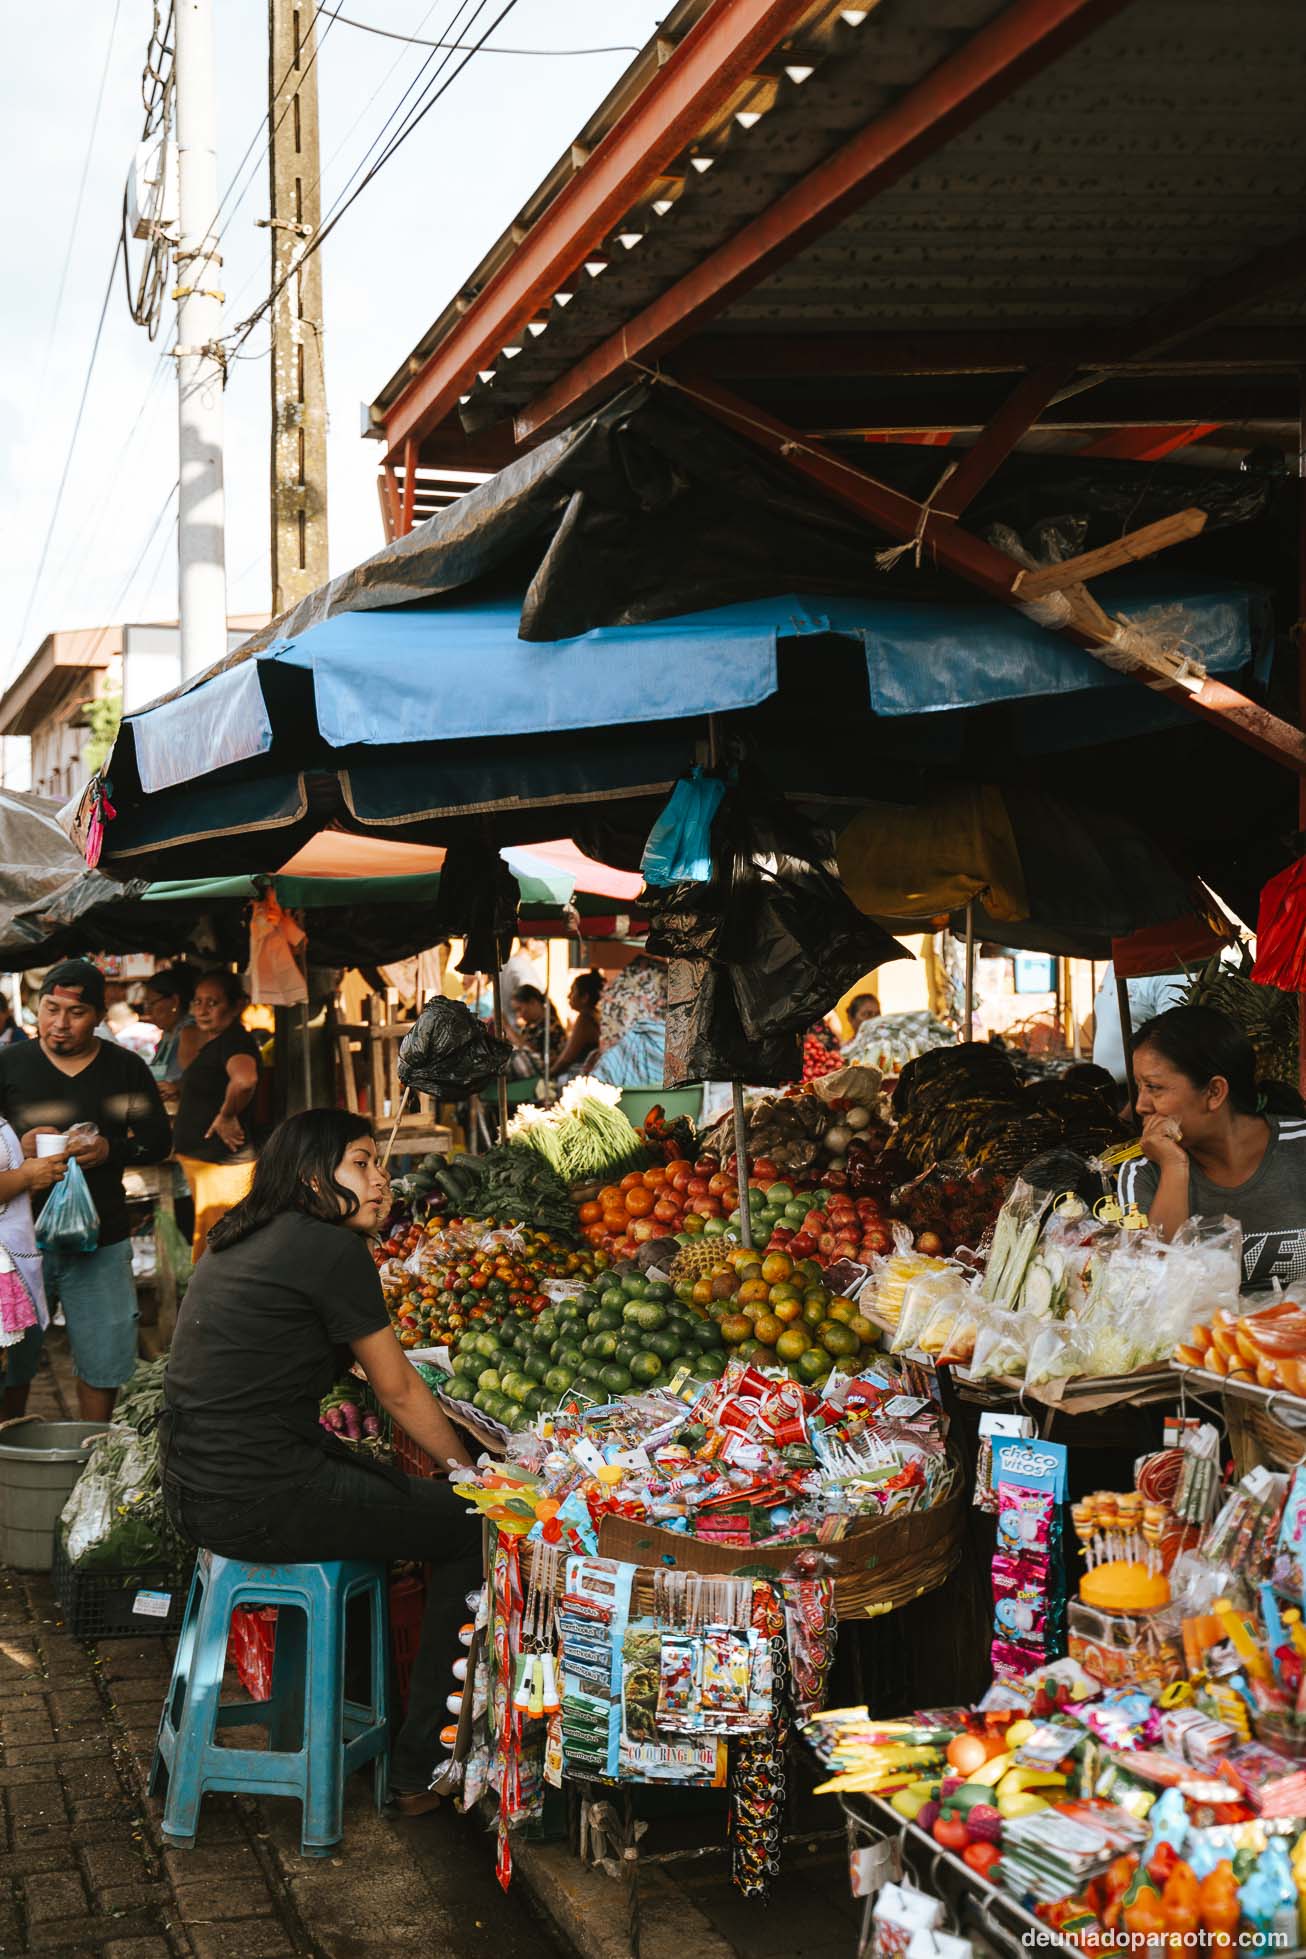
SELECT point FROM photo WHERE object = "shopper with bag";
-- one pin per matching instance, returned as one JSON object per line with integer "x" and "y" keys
{"x": 103, "y": 1101}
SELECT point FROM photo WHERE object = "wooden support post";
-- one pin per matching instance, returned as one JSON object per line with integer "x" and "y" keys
{"x": 968, "y": 1010}
{"x": 1142, "y": 543}
{"x": 299, "y": 418}
{"x": 741, "y": 1165}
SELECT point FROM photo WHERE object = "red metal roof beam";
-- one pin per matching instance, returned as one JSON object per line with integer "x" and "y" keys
{"x": 721, "y": 50}
{"x": 982, "y": 565}
{"x": 1017, "y": 45}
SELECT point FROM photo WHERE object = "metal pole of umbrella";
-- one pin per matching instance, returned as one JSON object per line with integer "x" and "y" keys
{"x": 548, "y": 1009}
{"x": 308, "y": 1060}
{"x": 741, "y": 1165}
{"x": 498, "y": 1028}
{"x": 968, "y": 1013}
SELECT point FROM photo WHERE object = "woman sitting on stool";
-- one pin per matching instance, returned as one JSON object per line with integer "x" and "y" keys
{"x": 286, "y": 1284}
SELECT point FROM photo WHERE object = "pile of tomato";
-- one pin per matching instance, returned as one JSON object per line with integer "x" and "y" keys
{"x": 671, "y": 1197}
{"x": 442, "y": 1277}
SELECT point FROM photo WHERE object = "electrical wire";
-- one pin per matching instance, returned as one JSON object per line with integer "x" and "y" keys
{"x": 392, "y": 70}
{"x": 416, "y": 41}
{"x": 55, "y": 316}
{"x": 113, "y": 475}
{"x": 72, "y": 445}
{"x": 416, "y": 116}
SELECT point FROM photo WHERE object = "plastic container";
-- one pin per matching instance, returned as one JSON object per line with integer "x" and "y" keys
{"x": 39, "y": 1463}
{"x": 133, "y": 1604}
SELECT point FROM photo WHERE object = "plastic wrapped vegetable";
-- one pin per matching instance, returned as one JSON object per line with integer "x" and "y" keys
{"x": 1015, "y": 1240}
{"x": 1001, "y": 1345}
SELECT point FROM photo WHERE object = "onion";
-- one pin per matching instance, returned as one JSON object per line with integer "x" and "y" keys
{"x": 858, "y": 1116}
{"x": 837, "y": 1138}
{"x": 837, "y": 1163}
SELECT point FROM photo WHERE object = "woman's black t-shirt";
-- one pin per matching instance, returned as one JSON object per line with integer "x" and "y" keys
{"x": 256, "y": 1348}
{"x": 203, "y": 1090}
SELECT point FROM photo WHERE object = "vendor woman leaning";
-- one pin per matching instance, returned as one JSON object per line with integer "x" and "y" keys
{"x": 1218, "y": 1143}
{"x": 286, "y": 1292}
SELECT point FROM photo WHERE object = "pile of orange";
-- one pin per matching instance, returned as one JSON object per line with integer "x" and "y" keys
{"x": 657, "y": 1203}
{"x": 776, "y": 1307}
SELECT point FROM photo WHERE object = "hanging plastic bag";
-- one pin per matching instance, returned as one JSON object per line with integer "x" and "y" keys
{"x": 1281, "y": 931}
{"x": 276, "y": 975}
{"x": 679, "y": 847}
{"x": 70, "y": 1221}
{"x": 448, "y": 1051}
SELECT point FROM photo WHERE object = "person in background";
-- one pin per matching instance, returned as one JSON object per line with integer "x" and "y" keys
{"x": 583, "y": 1035}
{"x": 68, "y": 1076}
{"x": 209, "y": 1137}
{"x": 862, "y": 1006}
{"x": 20, "y": 1260}
{"x": 286, "y": 1285}
{"x": 1218, "y": 1143}
{"x": 633, "y": 1022}
{"x": 10, "y": 1028}
{"x": 166, "y": 1005}
{"x": 521, "y": 968}
{"x": 1147, "y": 998}
{"x": 526, "y": 1030}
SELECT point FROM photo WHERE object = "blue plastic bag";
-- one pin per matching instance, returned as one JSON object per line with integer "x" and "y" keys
{"x": 679, "y": 847}
{"x": 70, "y": 1221}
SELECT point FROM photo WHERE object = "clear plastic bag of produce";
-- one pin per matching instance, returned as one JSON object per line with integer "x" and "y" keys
{"x": 1058, "y": 1352}
{"x": 928, "y": 1287}
{"x": 1054, "y": 1281}
{"x": 679, "y": 847}
{"x": 70, "y": 1221}
{"x": 1015, "y": 1239}
{"x": 950, "y": 1332}
{"x": 449, "y": 1050}
{"x": 114, "y": 1517}
{"x": 1001, "y": 1345}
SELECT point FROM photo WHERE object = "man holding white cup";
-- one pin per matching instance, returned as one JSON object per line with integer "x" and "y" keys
{"x": 70, "y": 1093}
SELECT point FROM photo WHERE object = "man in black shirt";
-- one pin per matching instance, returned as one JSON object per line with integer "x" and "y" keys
{"x": 65, "y": 1077}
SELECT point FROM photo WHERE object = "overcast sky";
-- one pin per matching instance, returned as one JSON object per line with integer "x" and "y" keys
{"x": 389, "y": 267}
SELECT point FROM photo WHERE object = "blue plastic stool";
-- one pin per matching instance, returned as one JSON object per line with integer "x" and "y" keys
{"x": 315, "y": 1736}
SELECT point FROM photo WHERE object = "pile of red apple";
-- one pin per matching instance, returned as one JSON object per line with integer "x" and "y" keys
{"x": 837, "y": 1226}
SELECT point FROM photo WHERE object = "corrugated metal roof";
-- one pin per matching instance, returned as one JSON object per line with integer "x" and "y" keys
{"x": 1160, "y": 153}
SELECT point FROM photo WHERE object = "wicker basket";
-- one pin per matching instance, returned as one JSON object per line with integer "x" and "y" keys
{"x": 884, "y": 1564}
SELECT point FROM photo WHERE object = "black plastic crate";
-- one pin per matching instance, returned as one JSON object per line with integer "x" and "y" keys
{"x": 102, "y": 1604}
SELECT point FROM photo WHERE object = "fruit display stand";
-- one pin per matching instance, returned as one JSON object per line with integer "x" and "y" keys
{"x": 974, "y": 1909}
{"x": 880, "y": 1566}
{"x": 1265, "y": 1425}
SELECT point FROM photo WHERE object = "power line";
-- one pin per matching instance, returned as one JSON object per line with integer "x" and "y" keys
{"x": 415, "y": 117}
{"x": 416, "y": 41}
{"x": 53, "y": 334}
{"x": 72, "y": 444}
{"x": 393, "y": 69}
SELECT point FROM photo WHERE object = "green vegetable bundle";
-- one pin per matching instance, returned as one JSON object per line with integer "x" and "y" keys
{"x": 585, "y": 1138}
{"x": 511, "y": 1183}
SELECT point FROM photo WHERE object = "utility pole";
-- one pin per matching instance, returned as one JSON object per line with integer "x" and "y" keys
{"x": 201, "y": 558}
{"x": 299, "y": 479}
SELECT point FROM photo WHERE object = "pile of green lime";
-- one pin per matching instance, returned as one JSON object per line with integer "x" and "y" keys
{"x": 617, "y": 1337}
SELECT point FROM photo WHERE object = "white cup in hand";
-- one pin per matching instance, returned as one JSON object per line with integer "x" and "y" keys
{"x": 51, "y": 1145}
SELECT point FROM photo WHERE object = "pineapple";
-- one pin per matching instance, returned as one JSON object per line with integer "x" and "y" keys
{"x": 697, "y": 1261}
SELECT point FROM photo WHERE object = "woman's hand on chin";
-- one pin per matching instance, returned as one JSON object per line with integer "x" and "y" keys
{"x": 1162, "y": 1141}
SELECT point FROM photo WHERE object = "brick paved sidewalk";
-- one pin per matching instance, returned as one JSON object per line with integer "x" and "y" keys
{"x": 82, "y": 1867}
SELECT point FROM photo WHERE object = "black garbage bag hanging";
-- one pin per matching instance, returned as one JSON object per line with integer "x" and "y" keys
{"x": 450, "y": 1051}
{"x": 477, "y": 902}
{"x": 775, "y": 926}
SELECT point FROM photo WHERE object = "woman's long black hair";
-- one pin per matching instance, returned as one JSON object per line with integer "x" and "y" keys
{"x": 296, "y": 1171}
{"x": 1202, "y": 1043}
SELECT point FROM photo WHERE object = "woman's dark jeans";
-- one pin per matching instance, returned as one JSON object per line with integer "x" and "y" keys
{"x": 339, "y": 1511}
